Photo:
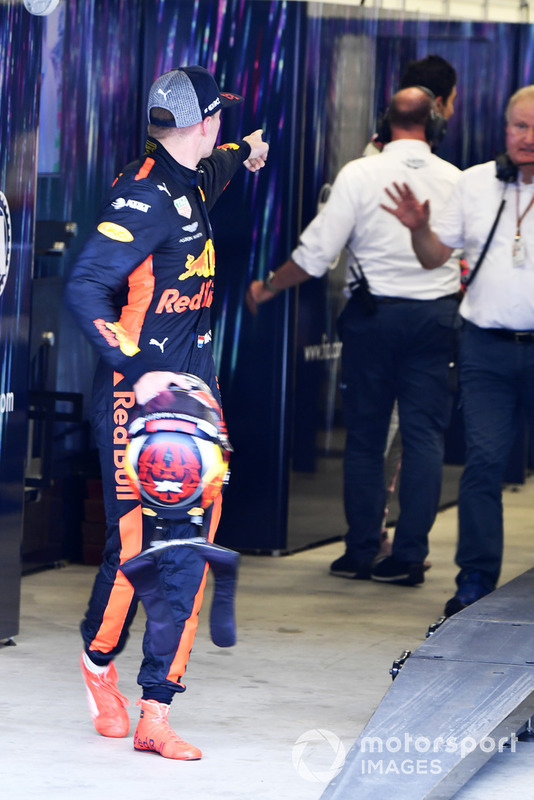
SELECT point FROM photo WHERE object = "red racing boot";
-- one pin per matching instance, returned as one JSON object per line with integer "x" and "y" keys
{"x": 154, "y": 734}
{"x": 106, "y": 704}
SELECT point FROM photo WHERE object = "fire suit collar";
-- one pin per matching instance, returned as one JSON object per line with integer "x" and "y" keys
{"x": 154, "y": 149}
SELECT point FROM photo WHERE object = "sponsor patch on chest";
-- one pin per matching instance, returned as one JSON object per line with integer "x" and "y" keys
{"x": 183, "y": 206}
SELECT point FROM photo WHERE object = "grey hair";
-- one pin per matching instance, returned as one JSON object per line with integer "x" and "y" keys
{"x": 526, "y": 93}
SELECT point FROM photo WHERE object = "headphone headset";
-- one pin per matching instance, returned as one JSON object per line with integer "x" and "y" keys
{"x": 505, "y": 169}
{"x": 434, "y": 129}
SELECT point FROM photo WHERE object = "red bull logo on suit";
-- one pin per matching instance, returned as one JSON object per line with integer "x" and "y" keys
{"x": 171, "y": 301}
{"x": 203, "y": 265}
{"x": 123, "y": 403}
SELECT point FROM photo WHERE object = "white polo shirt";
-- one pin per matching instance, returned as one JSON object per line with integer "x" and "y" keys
{"x": 352, "y": 216}
{"x": 501, "y": 295}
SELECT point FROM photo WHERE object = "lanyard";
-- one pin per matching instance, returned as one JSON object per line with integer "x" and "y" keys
{"x": 521, "y": 217}
{"x": 487, "y": 243}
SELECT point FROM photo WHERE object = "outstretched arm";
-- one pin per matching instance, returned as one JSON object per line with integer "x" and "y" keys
{"x": 415, "y": 216}
{"x": 288, "y": 275}
{"x": 258, "y": 151}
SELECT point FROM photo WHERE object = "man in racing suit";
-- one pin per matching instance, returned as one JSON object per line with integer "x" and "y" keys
{"x": 141, "y": 291}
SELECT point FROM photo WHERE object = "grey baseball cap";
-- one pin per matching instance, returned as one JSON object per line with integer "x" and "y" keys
{"x": 190, "y": 94}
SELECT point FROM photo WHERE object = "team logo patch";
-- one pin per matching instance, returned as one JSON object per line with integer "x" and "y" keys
{"x": 203, "y": 339}
{"x": 415, "y": 163}
{"x": 161, "y": 345}
{"x": 5, "y": 241}
{"x": 120, "y": 202}
{"x": 203, "y": 265}
{"x": 183, "y": 206}
{"x": 116, "y": 336}
{"x": 116, "y": 232}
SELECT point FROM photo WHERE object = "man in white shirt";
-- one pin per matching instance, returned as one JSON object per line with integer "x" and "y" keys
{"x": 399, "y": 351}
{"x": 438, "y": 76}
{"x": 497, "y": 341}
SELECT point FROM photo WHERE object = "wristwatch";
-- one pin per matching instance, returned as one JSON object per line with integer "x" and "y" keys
{"x": 268, "y": 282}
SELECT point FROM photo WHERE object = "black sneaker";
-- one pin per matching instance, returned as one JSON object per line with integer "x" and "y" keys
{"x": 389, "y": 570}
{"x": 453, "y": 606}
{"x": 349, "y": 567}
{"x": 471, "y": 587}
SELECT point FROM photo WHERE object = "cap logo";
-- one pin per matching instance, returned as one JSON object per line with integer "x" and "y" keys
{"x": 160, "y": 91}
{"x": 216, "y": 102}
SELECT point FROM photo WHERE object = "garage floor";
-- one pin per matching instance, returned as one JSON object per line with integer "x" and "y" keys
{"x": 272, "y": 714}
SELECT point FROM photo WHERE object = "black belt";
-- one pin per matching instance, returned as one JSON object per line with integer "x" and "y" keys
{"x": 515, "y": 336}
{"x": 382, "y": 299}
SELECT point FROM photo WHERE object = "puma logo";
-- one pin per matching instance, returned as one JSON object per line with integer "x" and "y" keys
{"x": 161, "y": 345}
{"x": 160, "y": 91}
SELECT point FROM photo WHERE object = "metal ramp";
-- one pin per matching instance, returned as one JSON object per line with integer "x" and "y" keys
{"x": 465, "y": 693}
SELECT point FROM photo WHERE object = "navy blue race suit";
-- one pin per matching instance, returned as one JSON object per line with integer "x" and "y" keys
{"x": 141, "y": 290}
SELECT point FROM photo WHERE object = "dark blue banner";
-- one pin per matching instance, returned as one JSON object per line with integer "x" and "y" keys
{"x": 19, "y": 82}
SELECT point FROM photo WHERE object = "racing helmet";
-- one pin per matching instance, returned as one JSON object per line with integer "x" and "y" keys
{"x": 178, "y": 451}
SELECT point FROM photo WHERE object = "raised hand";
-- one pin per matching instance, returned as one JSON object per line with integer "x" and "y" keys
{"x": 407, "y": 208}
{"x": 258, "y": 152}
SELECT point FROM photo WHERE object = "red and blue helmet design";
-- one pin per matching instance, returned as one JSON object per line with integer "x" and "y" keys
{"x": 178, "y": 452}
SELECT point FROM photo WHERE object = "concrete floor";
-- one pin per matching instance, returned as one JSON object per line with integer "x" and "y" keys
{"x": 311, "y": 664}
